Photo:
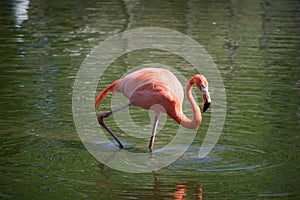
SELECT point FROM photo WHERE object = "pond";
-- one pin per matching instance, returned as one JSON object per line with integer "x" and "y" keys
{"x": 255, "y": 46}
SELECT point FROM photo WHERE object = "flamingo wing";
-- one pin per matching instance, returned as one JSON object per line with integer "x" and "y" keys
{"x": 147, "y": 79}
{"x": 150, "y": 87}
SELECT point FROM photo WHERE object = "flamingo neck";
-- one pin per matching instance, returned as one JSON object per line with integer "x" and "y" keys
{"x": 197, "y": 118}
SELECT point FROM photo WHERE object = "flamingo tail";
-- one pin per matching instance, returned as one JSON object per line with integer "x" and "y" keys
{"x": 102, "y": 94}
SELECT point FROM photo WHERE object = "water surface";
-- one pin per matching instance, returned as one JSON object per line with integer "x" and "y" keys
{"x": 255, "y": 45}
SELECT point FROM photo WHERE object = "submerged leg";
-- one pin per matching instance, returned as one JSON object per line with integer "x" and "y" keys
{"x": 107, "y": 114}
{"x": 154, "y": 131}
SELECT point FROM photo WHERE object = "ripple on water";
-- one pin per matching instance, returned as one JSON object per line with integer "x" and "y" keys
{"x": 221, "y": 159}
{"x": 224, "y": 158}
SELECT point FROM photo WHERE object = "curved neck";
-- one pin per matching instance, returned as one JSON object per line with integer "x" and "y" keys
{"x": 197, "y": 118}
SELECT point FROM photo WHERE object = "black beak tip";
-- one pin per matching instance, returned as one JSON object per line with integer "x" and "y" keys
{"x": 206, "y": 106}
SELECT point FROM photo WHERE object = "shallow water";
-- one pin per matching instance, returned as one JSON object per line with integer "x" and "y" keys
{"x": 255, "y": 45}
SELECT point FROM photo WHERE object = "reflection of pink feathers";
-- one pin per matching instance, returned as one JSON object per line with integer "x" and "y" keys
{"x": 150, "y": 86}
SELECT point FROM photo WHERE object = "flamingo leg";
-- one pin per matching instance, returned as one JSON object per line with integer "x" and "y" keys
{"x": 107, "y": 114}
{"x": 156, "y": 117}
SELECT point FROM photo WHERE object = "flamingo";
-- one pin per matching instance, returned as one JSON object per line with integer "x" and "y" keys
{"x": 159, "y": 90}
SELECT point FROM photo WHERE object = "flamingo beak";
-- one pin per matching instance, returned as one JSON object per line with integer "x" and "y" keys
{"x": 206, "y": 98}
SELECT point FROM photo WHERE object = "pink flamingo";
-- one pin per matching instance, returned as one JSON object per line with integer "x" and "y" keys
{"x": 159, "y": 90}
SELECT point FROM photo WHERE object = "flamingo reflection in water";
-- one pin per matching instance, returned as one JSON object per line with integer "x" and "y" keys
{"x": 182, "y": 192}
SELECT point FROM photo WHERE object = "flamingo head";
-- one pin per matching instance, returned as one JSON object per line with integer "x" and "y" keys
{"x": 202, "y": 85}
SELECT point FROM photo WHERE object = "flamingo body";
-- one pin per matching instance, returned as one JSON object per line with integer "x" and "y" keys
{"x": 159, "y": 90}
{"x": 149, "y": 87}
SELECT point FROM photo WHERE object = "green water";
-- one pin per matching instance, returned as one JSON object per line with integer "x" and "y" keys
{"x": 255, "y": 45}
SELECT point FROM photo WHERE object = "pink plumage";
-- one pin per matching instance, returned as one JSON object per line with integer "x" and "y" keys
{"x": 149, "y": 87}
